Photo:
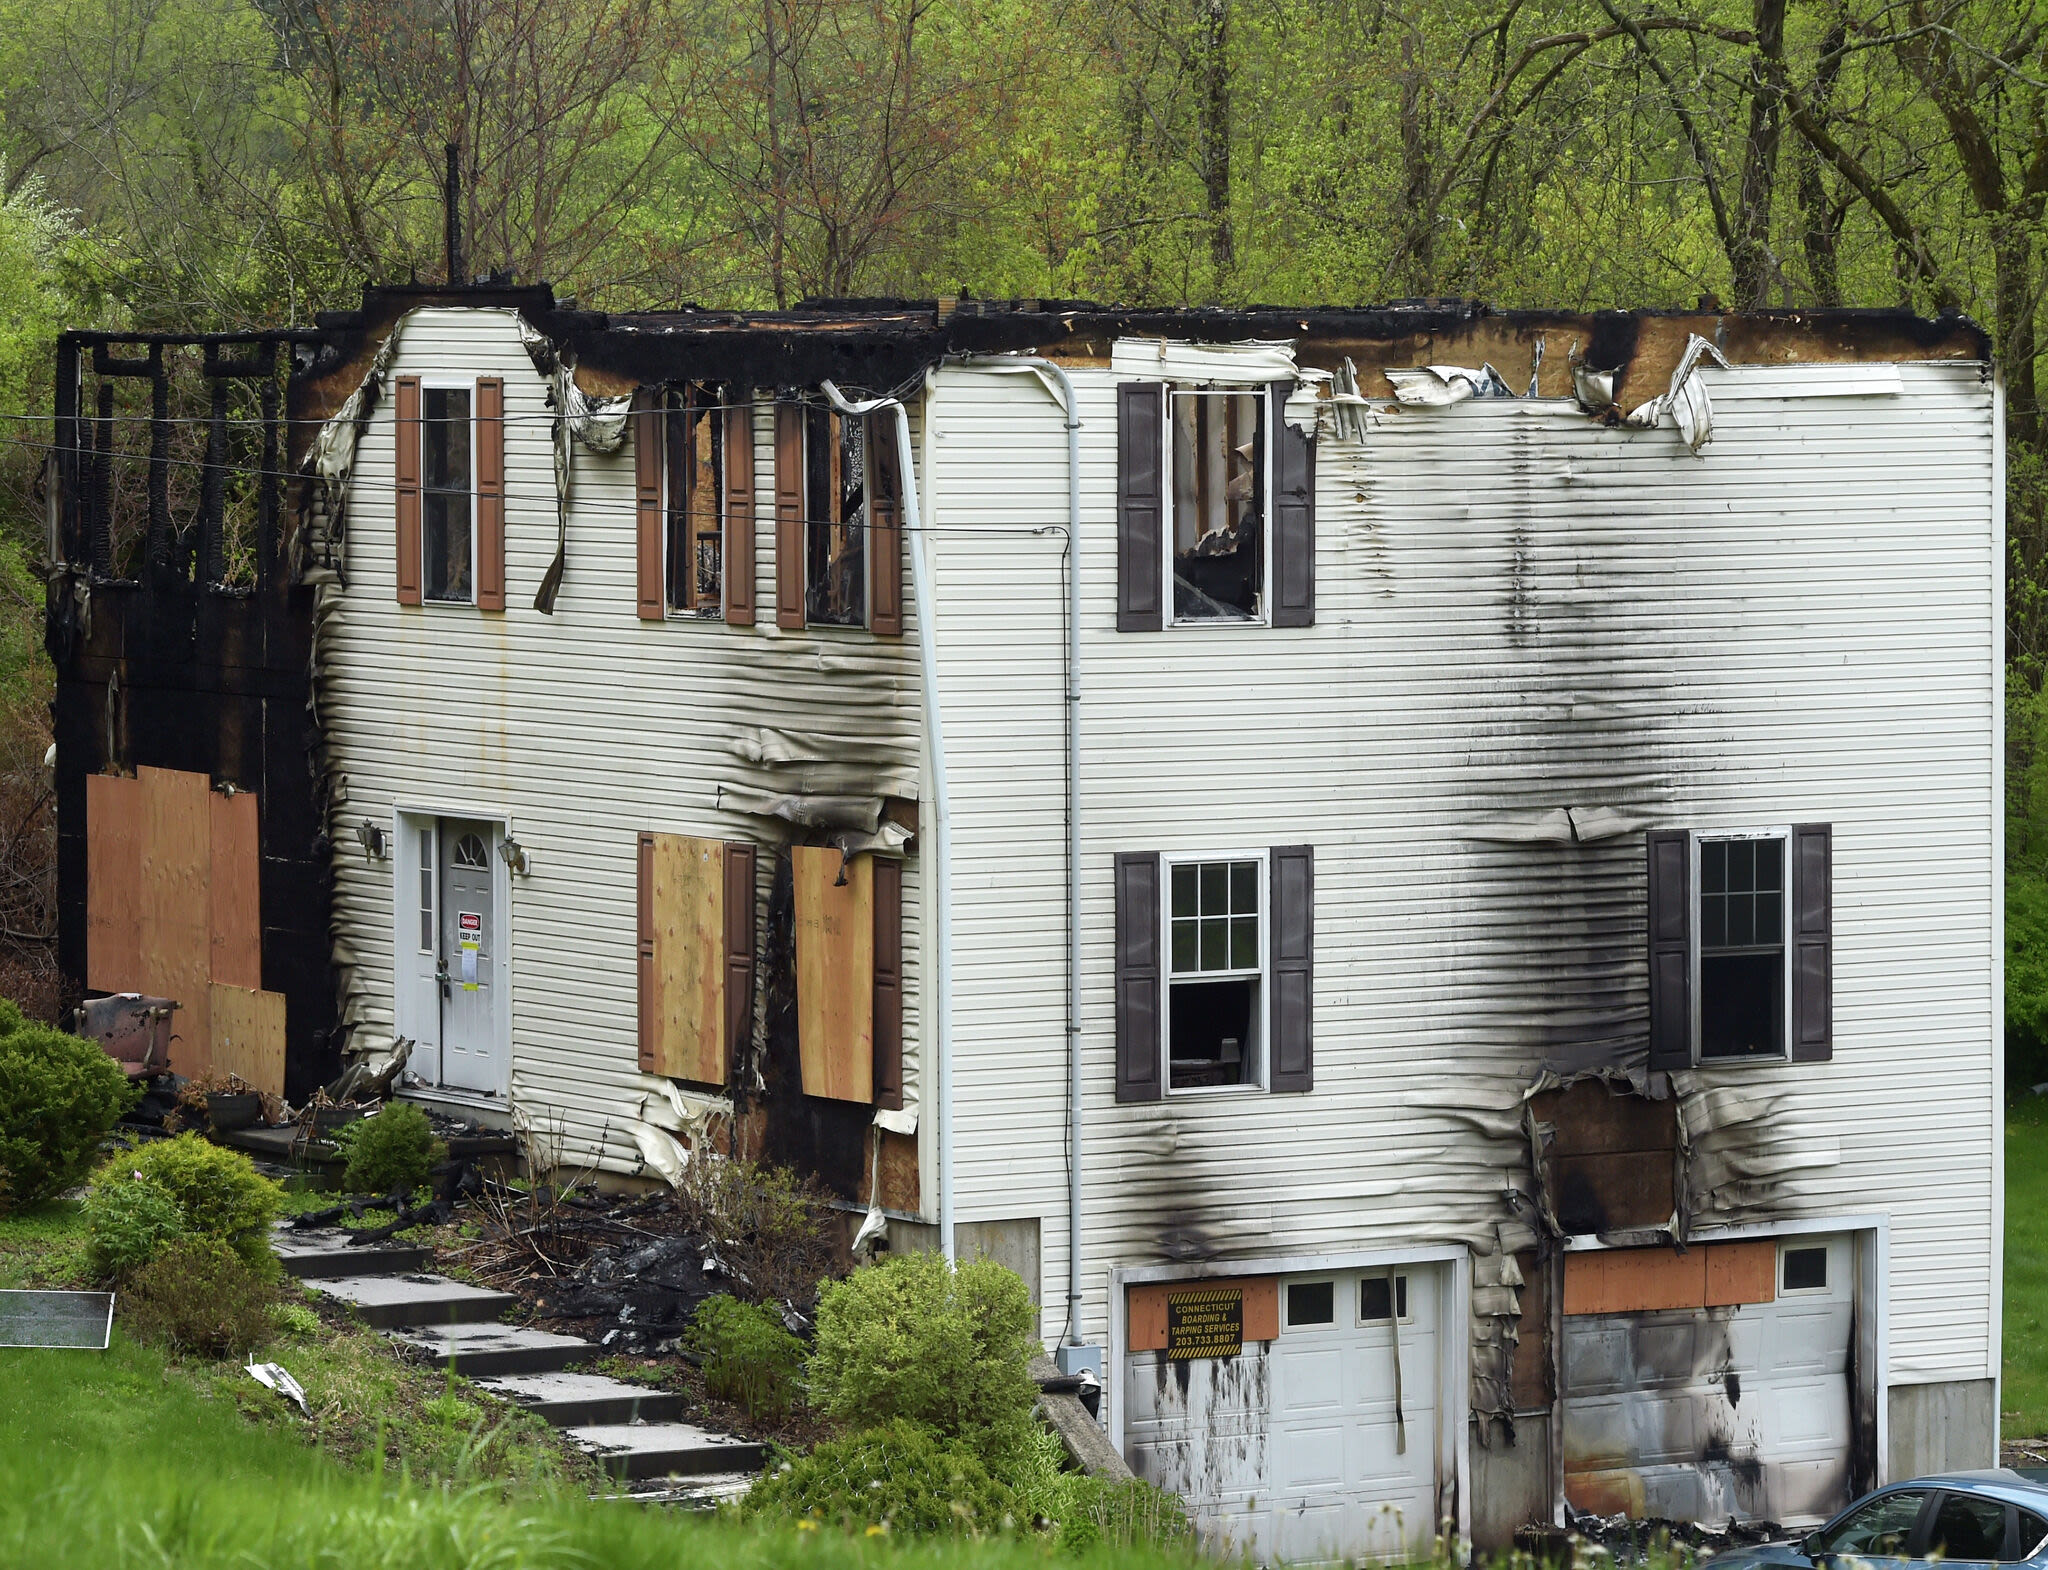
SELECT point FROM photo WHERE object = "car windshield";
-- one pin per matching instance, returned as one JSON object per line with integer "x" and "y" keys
{"x": 1880, "y": 1528}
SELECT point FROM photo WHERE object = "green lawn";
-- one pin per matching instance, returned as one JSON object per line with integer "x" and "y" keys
{"x": 2026, "y": 1269}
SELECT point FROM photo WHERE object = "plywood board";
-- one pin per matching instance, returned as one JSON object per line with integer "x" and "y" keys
{"x": 835, "y": 973}
{"x": 1145, "y": 1320}
{"x": 1645, "y": 1280}
{"x": 177, "y": 960}
{"x": 1742, "y": 1273}
{"x": 248, "y": 1035}
{"x": 113, "y": 883}
{"x": 234, "y": 891}
{"x": 688, "y": 893}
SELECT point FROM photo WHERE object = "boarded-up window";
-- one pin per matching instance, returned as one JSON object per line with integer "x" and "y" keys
{"x": 695, "y": 897}
{"x": 835, "y": 972}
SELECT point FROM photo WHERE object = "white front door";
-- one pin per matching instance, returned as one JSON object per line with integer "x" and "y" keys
{"x": 448, "y": 970}
{"x": 1321, "y": 1445}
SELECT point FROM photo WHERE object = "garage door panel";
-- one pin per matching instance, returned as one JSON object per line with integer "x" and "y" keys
{"x": 1310, "y": 1457}
{"x": 1308, "y": 1382}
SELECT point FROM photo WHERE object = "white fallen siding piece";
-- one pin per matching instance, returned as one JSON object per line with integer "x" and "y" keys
{"x": 1517, "y": 609}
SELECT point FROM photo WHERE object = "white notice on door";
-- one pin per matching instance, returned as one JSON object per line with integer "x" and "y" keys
{"x": 469, "y": 952}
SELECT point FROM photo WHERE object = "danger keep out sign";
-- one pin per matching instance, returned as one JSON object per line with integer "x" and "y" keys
{"x": 1205, "y": 1322}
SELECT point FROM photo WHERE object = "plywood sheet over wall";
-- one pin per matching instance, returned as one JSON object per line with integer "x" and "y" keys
{"x": 248, "y": 1035}
{"x": 1650, "y": 1280}
{"x": 173, "y": 906}
{"x": 1145, "y": 1322}
{"x": 689, "y": 958}
{"x": 835, "y": 972}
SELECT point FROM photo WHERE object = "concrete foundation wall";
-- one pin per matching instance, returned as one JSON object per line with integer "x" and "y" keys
{"x": 1510, "y": 1483}
{"x": 1943, "y": 1428}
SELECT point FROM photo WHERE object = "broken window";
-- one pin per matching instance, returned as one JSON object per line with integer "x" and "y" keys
{"x": 1217, "y": 545}
{"x": 1379, "y": 1297}
{"x": 448, "y": 537}
{"x": 1311, "y": 1303}
{"x": 836, "y": 518}
{"x": 1217, "y": 974}
{"x": 693, "y": 547}
{"x": 1742, "y": 979}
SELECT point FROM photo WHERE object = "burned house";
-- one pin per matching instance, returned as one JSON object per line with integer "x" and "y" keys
{"x": 1430, "y": 877}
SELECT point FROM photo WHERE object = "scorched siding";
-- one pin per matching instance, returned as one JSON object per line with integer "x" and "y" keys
{"x": 583, "y": 728}
{"x": 1517, "y": 610}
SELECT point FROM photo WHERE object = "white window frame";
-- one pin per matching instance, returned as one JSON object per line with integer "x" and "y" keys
{"x": 1398, "y": 1301}
{"x": 675, "y": 612}
{"x": 1262, "y": 391}
{"x": 1797, "y": 1245}
{"x": 448, "y": 384}
{"x": 1261, "y": 1023}
{"x": 1312, "y": 1327}
{"x": 1782, "y": 833}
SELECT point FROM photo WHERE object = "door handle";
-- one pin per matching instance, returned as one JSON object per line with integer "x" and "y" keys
{"x": 441, "y": 976}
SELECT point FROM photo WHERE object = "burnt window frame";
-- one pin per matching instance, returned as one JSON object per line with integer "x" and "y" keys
{"x": 1258, "y": 1051}
{"x": 1696, "y": 947}
{"x": 836, "y": 425}
{"x": 678, "y": 406}
{"x": 430, "y": 384}
{"x": 1262, "y": 467}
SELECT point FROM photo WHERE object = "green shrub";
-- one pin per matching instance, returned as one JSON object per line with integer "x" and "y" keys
{"x": 200, "y": 1295}
{"x": 58, "y": 1097}
{"x": 128, "y": 1222}
{"x": 915, "y": 1338}
{"x": 771, "y": 1228}
{"x": 391, "y": 1152}
{"x": 295, "y": 1319}
{"x": 749, "y": 1356}
{"x": 899, "y": 1477}
{"x": 218, "y": 1192}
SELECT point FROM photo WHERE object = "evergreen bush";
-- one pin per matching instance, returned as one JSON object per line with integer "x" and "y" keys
{"x": 127, "y": 1224}
{"x": 900, "y": 1478}
{"x": 749, "y": 1356}
{"x": 218, "y": 1192}
{"x": 200, "y": 1295}
{"x": 391, "y": 1152}
{"x": 59, "y": 1095}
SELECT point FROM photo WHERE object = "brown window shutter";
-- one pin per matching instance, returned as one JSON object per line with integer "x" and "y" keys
{"x": 647, "y": 519}
{"x": 406, "y": 409}
{"x": 1813, "y": 943}
{"x": 888, "y": 984}
{"x": 739, "y": 953}
{"x": 1294, "y": 518}
{"x": 1293, "y": 941}
{"x": 885, "y": 530}
{"x": 490, "y": 493}
{"x": 650, "y": 977}
{"x": 1670, "y": 921}
{"x": 1137, "y": 976}
{"x": 1140, "y": 509}
{"x": 789, "y": 515}
{"x": 739, "y": 507}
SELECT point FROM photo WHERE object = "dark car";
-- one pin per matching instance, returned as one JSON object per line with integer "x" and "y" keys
{"x": 1958, "y": 1518}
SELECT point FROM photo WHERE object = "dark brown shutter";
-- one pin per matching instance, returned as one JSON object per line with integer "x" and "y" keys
{"x": 405, "y": 407}
{"x": 885, "y": 530}
{"x": 1137, "y": 976}
{"x": 650, "y": 978}
{"x": 789, "y": 515}
{"x": 1670, "y": 921}
{"x": 1294, "y": 518}
{"x": 1140, "y": 508}
{"x": 888, "y": 983}
{"x": 1293, "y": 872}
{"x": 647, "y": 518}
{"x": 739, "y": 953}
{"x": 1813, "y": 943}
{"x": 490, "y": 493}
{"x": 739, "y": 507}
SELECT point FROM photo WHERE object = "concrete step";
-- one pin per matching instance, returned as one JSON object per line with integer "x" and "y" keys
{"x": 707, "y": 1491}
{"x": 641, "y": 1450}
{"x": 324, "y": 1254}
{"x": 480, "y": 1350}
{"x": 395, "y": 1302}
{"x": 572, "y": 1400}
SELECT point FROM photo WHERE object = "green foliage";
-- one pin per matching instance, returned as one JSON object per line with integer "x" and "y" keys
{"x": 218, "y": 1192}
{"x": 200, "y": 1295}
{"x": 749, "y": 1356}
{"x": 770, "y": 1227}
{"x": 1080, "y": 1513}
{"x": 898, "y": 1477}
{"x": 295, "y": 1319}
{"x": 59, "y": 1096}
{"x": 915, "y": 1338}
{"x": 393, "y": 1151}
{"x": 129, "y": 1221}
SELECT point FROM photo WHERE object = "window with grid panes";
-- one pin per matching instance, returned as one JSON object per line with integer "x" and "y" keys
{"x": 1216, "y": 973}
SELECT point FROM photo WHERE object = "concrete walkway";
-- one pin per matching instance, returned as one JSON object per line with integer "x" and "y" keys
{"x": 635, "y": 1433}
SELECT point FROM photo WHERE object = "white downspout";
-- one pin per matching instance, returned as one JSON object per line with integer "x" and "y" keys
{"x": 1065, "y": 397}
{"x": 941, "y": 828}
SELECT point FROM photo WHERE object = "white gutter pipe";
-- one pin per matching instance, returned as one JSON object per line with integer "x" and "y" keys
{"x": 940, "y": 827}
{"x": 1049, "y": 373}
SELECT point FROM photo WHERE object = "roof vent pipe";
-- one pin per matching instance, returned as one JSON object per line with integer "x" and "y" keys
{"x": 941, "y": 827}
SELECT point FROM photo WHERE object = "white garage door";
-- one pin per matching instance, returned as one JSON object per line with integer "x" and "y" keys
{"x": 1308, "y": 1448}
{"x": 1700, "y": 1414}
